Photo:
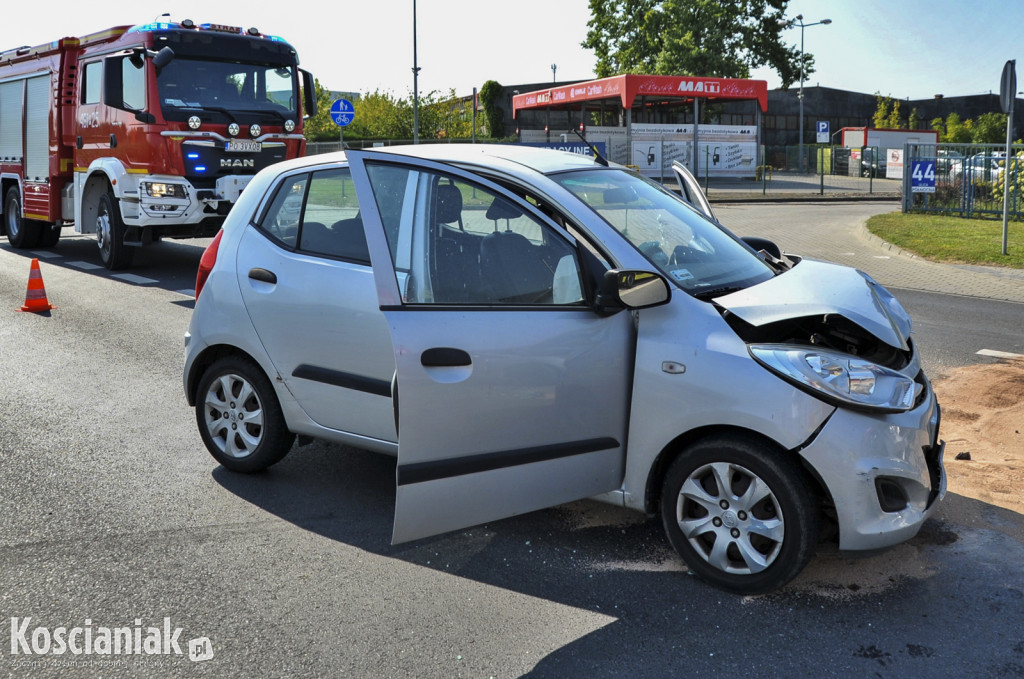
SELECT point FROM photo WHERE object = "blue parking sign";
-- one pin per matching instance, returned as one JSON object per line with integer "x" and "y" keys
{"x": 922, "y": 176}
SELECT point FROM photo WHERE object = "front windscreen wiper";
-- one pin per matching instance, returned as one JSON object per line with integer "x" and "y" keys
{"x": 217, "y": 109}
{"x": 705, "y": 295}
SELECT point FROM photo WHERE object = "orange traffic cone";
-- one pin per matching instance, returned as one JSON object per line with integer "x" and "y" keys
{"x": 35, "y": 296}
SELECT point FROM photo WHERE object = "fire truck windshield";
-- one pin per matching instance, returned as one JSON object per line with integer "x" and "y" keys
{"x": 216, "y": 90}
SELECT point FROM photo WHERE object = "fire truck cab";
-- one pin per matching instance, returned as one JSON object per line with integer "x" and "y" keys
{"x": 139, "y": 133}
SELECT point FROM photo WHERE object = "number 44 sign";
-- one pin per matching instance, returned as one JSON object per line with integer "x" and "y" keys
{"x": 922, "y": 176}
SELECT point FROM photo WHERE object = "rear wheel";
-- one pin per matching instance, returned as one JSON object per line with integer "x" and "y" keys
{"x": 739, "y": 513}
{"x": 21, "y": 233}
{"x": 110, "y": 234}
{"x": 239, "y": 416}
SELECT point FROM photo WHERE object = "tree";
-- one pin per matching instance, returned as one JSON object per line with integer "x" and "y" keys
{"x": 915, "y": 122}
{"x": 887, "y": 114}
{"x": 989, "y": 128}
{"x": 493, "y": 113}
{"x": 719, "y": 38}
{"x": 957, "y": 131}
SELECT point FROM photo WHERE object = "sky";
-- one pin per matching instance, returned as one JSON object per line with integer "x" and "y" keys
{"x": 901, "y": 48}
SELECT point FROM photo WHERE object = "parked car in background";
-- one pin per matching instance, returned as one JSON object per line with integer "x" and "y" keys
{"x": 873, "y": 162}
{"x": 984, "y": 167}
{"x": 946, "y": 160}
{"x": 524, "y": 327}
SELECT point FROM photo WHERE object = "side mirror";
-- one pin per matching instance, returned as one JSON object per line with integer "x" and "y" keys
{"x": 629, "y": 289}
{"x": 113, "y": 81}
{"x": 162, "y": 58}
{"x": 308, "y": 94}
{"x": 763, "y": 244}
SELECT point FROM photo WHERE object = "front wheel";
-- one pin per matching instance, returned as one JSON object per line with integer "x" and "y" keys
{"x": 21, "y": 233}
{"x": 239, "y": 416}
{"x": 739, "y": 513}
{"x": 110, "y": 234}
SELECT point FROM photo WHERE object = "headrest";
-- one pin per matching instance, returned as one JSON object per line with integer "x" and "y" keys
{"x": 620, "y": 195}
{"x": 449, "y": 204}
{"x": 502, "y": 209}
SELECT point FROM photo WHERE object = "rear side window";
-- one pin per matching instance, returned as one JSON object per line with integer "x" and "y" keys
{"x": 281, "y": 220}
{"x": 318, "y": 213}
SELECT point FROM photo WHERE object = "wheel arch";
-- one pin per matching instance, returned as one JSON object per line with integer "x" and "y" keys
{"x": 7, "y": 182}
{"x": 661, "y": 464}
{"x": 208, "y": 357}
{"x": 97, "y": 184}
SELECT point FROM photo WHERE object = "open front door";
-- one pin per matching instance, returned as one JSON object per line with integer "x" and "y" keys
{"x": 512, "y": 394}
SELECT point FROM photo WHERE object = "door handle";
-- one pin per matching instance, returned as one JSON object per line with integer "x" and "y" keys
{"x": 258, "y": 274}
{"x": 444, "y": 357}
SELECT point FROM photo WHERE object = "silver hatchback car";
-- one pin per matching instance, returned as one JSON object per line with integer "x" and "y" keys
{"x": 524, "y": 327}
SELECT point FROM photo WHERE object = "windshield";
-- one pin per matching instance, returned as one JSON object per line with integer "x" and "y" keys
{"x": 217, "y": 90}
{"x": 700, "y": 257}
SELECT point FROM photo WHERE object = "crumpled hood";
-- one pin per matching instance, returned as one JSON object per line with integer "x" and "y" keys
{"x": 813, "y": 288}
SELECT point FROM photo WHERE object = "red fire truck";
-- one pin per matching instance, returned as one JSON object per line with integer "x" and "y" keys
{"x": 139, "y": 133}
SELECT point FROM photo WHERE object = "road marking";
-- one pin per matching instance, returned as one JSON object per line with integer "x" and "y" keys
{"x": 999, "y": 354}
{"x": 132, "y": 278}
{"x": 45, "y": 254}
{"x": 882, "y": 257}
{"x": 88, "y": 266}
{"x": 187, "y": 293}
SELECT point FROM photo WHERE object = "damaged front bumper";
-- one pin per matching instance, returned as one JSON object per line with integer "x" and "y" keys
{"x": 884, "y": 473}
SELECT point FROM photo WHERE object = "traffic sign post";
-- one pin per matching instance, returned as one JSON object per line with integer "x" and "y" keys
{"x": 1007, "y": 96}
{"x": 342, "y": 113}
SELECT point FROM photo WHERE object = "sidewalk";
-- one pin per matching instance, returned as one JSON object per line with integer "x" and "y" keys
{"x": 835, "y": 231}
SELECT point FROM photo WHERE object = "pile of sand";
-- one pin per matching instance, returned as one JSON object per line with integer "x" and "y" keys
{"x": 983, "y": 416}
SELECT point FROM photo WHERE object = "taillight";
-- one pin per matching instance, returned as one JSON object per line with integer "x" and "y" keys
{"x": 206, "y": 262}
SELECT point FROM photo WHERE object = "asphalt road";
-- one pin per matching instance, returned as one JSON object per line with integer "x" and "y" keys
{"x": 111, "y": 511}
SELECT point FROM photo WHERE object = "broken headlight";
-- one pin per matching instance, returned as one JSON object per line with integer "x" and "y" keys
{"x": 838, "y": 378}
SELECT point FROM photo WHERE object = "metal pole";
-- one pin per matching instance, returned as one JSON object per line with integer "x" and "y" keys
{"x": 474, "y": 115}
{"x": 696, "y": 136}
{"x": 1006, "y": 172}
{"x": 800, "y": 98}
{"x": 415, "y": 83}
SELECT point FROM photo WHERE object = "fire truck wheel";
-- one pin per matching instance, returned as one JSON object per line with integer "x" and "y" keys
{"x": 110, "y": 234}
{"x": 49, "y": 234}
{"x": 21, "y": 233}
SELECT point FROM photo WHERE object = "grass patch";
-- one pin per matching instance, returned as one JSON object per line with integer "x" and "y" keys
{"x": 952, "y": 239}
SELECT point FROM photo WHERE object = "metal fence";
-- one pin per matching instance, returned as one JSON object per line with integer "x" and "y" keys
{"x": 969, "y": 180}
{"x": 829, "y": 170}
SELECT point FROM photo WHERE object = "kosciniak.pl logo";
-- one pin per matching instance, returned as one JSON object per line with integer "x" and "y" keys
{"x": 88, "y": 639}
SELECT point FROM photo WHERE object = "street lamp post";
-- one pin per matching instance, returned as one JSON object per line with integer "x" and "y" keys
{"x": 415, "y": 83}
{"x": 799, "y": 21}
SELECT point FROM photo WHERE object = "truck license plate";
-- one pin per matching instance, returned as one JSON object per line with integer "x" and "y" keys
{"x": 241, "y": 146}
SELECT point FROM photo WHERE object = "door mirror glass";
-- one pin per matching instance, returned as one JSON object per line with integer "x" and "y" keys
{"x": 635, "y": 289}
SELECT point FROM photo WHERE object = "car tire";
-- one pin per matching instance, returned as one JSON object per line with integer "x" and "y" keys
{"x": 239, "y": 416}
{"x": 752, "y": 537}
{"x": 21, "y": 233}
{"x": 110, "y": 232}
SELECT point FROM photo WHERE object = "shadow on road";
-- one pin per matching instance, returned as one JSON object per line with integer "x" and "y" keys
{"x": 899, "y": 612}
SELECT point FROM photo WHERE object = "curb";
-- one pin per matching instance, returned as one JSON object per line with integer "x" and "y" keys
{"x": 802, "y": 198}
{"x": 889, "y": 247}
